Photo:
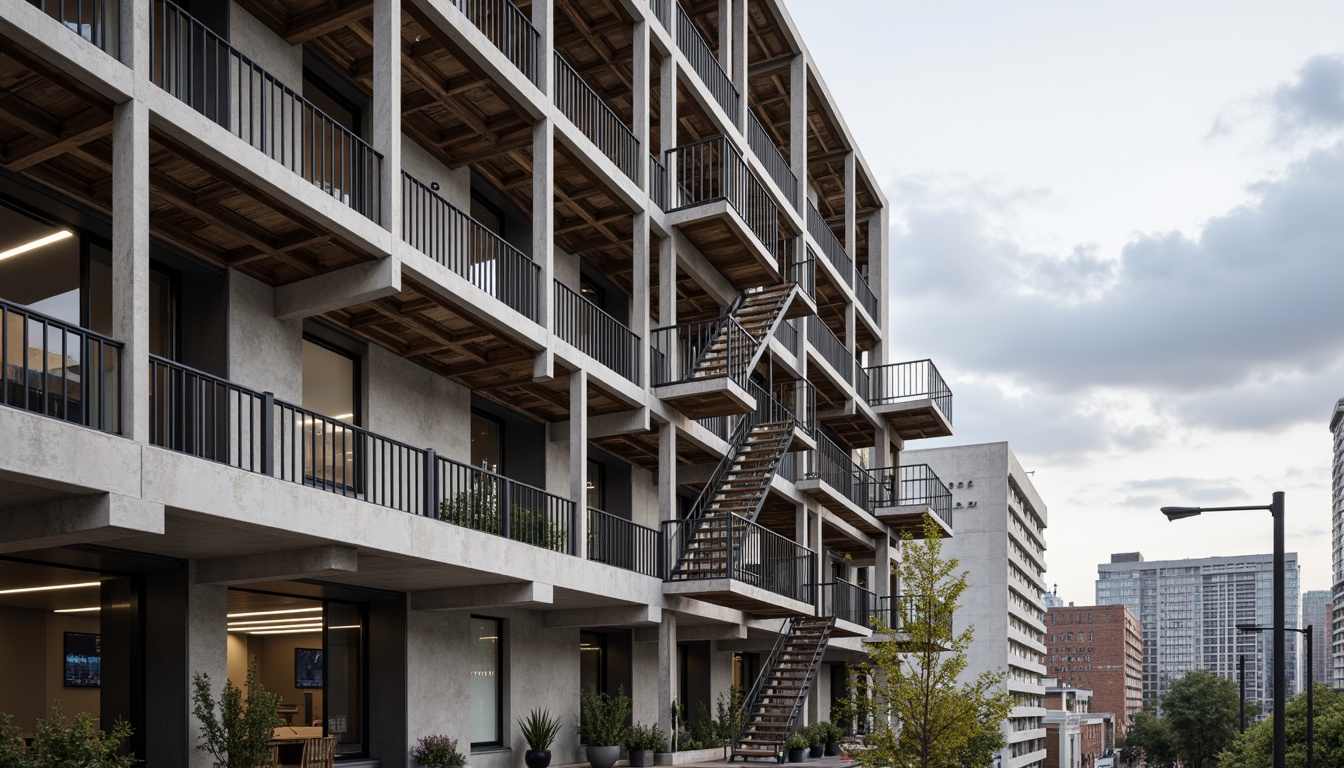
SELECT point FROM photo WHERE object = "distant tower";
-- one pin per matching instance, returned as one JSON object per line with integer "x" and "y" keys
{"x": 1052, "y": 599}
{"x": 1337, "y": 513}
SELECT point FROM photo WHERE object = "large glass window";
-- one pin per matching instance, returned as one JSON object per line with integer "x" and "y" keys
{"x": 330, "y": 389}
{"x": 487, "y": 442}
{"x": 487, "y": 682}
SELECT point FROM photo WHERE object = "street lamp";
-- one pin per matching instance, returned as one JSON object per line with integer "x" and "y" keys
{"x": 1311, "y": 683}
{"x": 1275, "y": 508}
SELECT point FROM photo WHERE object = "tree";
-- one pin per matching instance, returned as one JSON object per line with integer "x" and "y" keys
{"x": 1149, "y": 740}
{"x": 235, "y": 731}
{"x": 924, "y": 717}
{"x": 1201, "y": 710}
{"x": 1255, "y": 747}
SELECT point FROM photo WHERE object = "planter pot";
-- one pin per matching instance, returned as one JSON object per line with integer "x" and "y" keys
{"x": 832, "y": 749}
{"x": 816, "y": 750}
{"x": 797, "y": 755}
{"x": 641, "y": 758}
{"x": 663, "y": 758}
{"x": 537, "y": 758}
{"x": 603, "y": 757}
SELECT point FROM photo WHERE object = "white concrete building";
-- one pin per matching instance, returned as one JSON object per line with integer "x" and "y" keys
{"x": 1000, "y": 523}
{"x": 1190, "y": 611}
{"x": 442, "y": 357}
{"x": 1336, "y": 678}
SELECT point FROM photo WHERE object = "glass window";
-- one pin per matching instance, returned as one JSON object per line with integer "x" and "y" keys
{"x": 330, "y": 388}
{"x": 486, "y": 681}
{"x": 344, "y": 690}
{"x": 487, "y": 442}
{"x": 597, "y": 486}
{"x": 592, "y": 666}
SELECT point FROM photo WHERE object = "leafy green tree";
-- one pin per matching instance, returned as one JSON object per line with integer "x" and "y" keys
{"x": 1201, "y": 710}
{"x": 1150, "y": 740}
{"x": 924, "y": 717}
{"x": 1255, "y": 748}
{"x": 235, "y": 731}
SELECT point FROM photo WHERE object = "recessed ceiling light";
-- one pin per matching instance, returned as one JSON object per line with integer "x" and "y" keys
{"x": 78, "y": 610}
{"x": 268, "y": 627}
{"x": 49, "y": 588}
{"x": 38, "y": 243}
{"x": 347, "y": 626}
{"x": 274, "y": 613}
{"x": 276, "y": 620}
{"x": 286, "y": 631}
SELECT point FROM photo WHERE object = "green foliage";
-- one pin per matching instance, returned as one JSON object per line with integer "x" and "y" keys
{"x": 1255, "y": 748}
{"x": 852, "y": 712}
{"x": 235, "y": 731}
{"x": 79, "y": 743}
{"x": 719, "y": 731}
{"x": 479, "y": 509}
{"x": 829, "y": 732}
{"x": 643, "y": 736}
{"x": 799, "y": 740}
{"x": 13, "y": 754}
{"x": 1150, "y": 740}
{"x": 602, "y": 720}
{"x": 438, "y": 752}
{"x": 539, "y": 729}
{"x": 1202, "y": 712}
{"x": 924, "y": 718}
{"x": 813, "y": 736}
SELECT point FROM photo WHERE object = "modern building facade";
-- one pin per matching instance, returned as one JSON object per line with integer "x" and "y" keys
{"x": 1000, "y": 540}
{"x": 1190, "y": 610}
{"x": 1336, "y": 677}
{"x": 1099, "y": 648}
{"x": 1316, "y": 614}
{"x": 442, "y": 359}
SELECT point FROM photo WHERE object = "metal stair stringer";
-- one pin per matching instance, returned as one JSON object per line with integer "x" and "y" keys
{"x": 772, "y": 709}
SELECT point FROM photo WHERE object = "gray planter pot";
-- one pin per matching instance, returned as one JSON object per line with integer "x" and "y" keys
{"x": 603, "y": 757}
{"x": 641, "y": 758}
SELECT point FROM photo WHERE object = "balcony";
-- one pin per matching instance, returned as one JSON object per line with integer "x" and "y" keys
{"x": 59, "y": 370}
{"x": 754, "y": 570}
{"x": 94, "y": 20}
{"x": 855, "y": 606}
{"x": 509, "y": 29}
{"x": 723, "y": 207}
{"x": 441, "y": 231}
{"x": 775, "y": 164}
{"x": 704, "y": 63}
{"x": 830, "y": 474}
{"x": 901, "y": 496}
{"x": 596, "y": 333}
{"x": 913, "y": 397}
{"x": 660, "y": 11}
{"x": 682, "y": 369}
{"x": 624, "y": 544}
{"x": 831, "y": 247}
{"x": 832, "y": 350}
{"x": 657, "y": 183}
{"x": 586, "y": 110}
{"x": 867, "y": 299}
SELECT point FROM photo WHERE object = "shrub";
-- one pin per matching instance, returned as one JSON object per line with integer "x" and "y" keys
{"x": 602, "y": 718}
{"x": 236, "y": 735}
{"x": 479, "y": 509}
{"x": 438, "y": 752}
{"x": 539, "y": 729}
{"x": 799, "y": 740}
{"x": 79, "y": 744}
{"x": 831, "y": 733}
{"x": 643, "y": 736}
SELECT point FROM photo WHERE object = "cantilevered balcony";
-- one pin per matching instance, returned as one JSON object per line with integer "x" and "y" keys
{"x": 624, "y": 544}
{"x": 831, "y": 349}
{"x": 831, "y": 475}
{"x": 867, "y": 299}
{"x": 754, "y": 569}
{"x": 191, "y": 62}
{"x": 704, "y": 63}
{"x": 698, "y": 386}
{"x": 591, "y": 115}
{"x": 446, "y": 234}
{"x": 59, "y": 370}
{"x": 509, "y": 29}
{"x": 724, "y": 209}
{"x": 913, "y": 397}
{"x": 596, "y": 333}
{"x": 831, "y": 246}
{"x": 765, "y": 150}
{"x": 902, "y": 495}
{"x": 94, "y": 20}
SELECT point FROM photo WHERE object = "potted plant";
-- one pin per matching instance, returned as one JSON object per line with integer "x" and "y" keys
{"x": 539, "y": 731}
{"x": 798, "y": 745}
{"x": 642, "y": 741}
{"x": 438, "y": 752}
{"x": 816, "y": 739}
{"x": 602, "y": 726}
{"x": 832, "y": 734}
{"x": 236, "y": 732}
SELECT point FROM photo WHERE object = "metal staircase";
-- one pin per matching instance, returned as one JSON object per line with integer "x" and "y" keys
{"x": 744, "y": 332}
{"x": 773, "y": 706}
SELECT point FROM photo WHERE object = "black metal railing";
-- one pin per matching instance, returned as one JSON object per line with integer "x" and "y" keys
{"x": 799, "y": 400}
{"x": 484, "y": 501}
{"x": 863, "y": 381}
{"x": 625, "y": 544}
{"x": 58, "y": 369}
{"x": 712, "y": 169}
{"x": 702, "y": 349}
{"x": 702, "y": 60}
{"x": 510, "y": 30}
{"x": 831, "y": 247}
{"x": 799, "y": 264}
{"x": 194, "y": 64}
{"x": 203, "y": 415}
{"x": 596, "y": 333}
{"x": 94, "y": 20}
{"x": 914, "y": 380}
{"x": 441, "y": 231}
{"x": 835, "y": 466}
{"x": 717, "y": 425}
{"x": 755, "y": 555}
{"x": 831, "y": 349}
{"x": 591, "y": 115}
{"x": 660, "y": 11}
{"x": 913, "y": 485}
{"x": 765, "y": 150}
{"x": 867, "y": 299}
{"x": 788, "y": 336}
{"x": 852, "y": 603}
{"x": 913, "y": 608}
{"x": 658, "y": 183}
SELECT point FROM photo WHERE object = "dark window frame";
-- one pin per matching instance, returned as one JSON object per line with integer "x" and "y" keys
{"x": 499, "y": 686}
{"x": 500, "y": 467}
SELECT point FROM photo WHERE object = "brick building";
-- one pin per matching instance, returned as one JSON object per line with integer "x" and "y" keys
{"x": 1100, "y": 648}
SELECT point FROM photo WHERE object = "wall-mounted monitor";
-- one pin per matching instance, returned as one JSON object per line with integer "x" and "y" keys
{"x": 83, "y": 660}
{"x": 307, "y": 667}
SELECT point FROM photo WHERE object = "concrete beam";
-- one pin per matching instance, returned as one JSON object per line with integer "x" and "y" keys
{"x": 280, "y": 565}
{"x": 516, "y": 595}
{"x": 338, "y": 290}
{"x": 79, "y": 520}
{"x": 635, "y": 615}
{"x": 620, "y": 423}
{"x": 712, "y": 632}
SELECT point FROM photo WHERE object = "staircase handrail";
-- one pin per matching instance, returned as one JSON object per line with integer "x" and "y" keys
{"x": 811, "y": 675}
{"x": 749, "y": 700}
{"x": 762, "y": 344}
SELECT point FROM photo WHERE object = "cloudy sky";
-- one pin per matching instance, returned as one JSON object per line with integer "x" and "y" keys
{"x": 1118, "y": 229}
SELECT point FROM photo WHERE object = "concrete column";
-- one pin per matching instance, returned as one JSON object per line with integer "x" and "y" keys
{"x": 739, "y": 57}
{"x": 667, "y": 474}
{"x": 798, "y": 126}
{"x": 639, "y": 311}
{"x": 726, "y": 35}
{"x": 800, "y": 523}
{"x": 851, "y": 320}
{"x": 387, "y": 107}
{"x": 543, "y": 213}
{"x": 850, "y": 206}
{"x": 207, "y": 648}
{"x": 881, "y": 280}
{"x": 578, "y": 455}
{"x": 543, "y": 18}
{"x": 881, "y": 581}
{"x": 667, "y": 670}
{"x": 130, "y": 261}
{"x": 640, "y": 97}
{"x": 667, "y": 103}
{"x": 133, "y": 38}
{"x": 667, "y": 300}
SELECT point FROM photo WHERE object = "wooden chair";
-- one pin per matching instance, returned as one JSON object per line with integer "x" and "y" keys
{"x": 273, "y": 761}
{"x": 319, "y": 752}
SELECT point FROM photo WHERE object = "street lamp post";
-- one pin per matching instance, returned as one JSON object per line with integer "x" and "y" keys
{"x": 1311, "y": 684}
{"x": 1241, "y": 683}
{"x": 1275, "y": 509}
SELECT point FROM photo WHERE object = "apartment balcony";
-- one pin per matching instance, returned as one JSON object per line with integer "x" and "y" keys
{"x": 658, "y": 189}
{"x": 774, "y": 162}
{"x": 510, "y": 30}
{"x": 705, "y": 64}
{"x": 857, "y": 611}
{"x": 684, "y": 376}
{"x": 831, "y": 247}
{"x": 591, "y": 115}
{"x": 624, "y": 544}
{"x": 60, "y": 370}
{"x": 725, "y": 210}
{"x": 751, "y": 568}
{"x": 867, "y": 299}
{"x": 902, "y": 495}
{"x": 830, "y": 475}
{"x": 596, "y": 333}
{"x": 901, "y": 616}
{"x": 911, "y": 396}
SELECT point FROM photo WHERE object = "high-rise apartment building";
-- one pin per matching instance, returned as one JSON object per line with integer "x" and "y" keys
{"x": 1190, "y": 610}
{"x": 1100, "y": 648}
{"x": 1000, "y": 523}
{"x": 444, "y": 358}
{"x": 1336, "y": 678}
{"x": 1316, "y": 614}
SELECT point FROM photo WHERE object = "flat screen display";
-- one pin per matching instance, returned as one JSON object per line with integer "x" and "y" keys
{"x": 83, "y": 660}
{"x": 307, "y": 667}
